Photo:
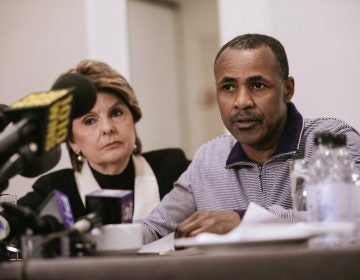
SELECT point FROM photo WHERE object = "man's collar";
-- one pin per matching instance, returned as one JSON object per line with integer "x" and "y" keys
{"x": 289, "y": 140}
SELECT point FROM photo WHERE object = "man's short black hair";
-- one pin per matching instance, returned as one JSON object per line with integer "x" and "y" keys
{"x": 254, "y": 41}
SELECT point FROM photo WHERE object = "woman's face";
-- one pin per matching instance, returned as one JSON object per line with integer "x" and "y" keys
{"x": 106, "y": 135}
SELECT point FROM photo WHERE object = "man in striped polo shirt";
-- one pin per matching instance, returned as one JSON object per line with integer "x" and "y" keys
{"x": 254, "y": 92}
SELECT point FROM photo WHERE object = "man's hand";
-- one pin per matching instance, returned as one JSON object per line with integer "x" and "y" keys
{"x": 219, "y": 222}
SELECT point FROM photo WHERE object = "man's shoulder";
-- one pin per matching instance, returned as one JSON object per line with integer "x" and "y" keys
{"x": 225, "y": 141}
{"x": 329, "y": 124}
{"x": 219, "y": 147}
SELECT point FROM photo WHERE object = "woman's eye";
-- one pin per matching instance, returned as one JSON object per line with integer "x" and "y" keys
{"x": 89, "y": 121}
{"x": 117, "y": 113}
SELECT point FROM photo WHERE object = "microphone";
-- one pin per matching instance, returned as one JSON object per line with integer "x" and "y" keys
{"x": 44, "y": 118}
{"x": 57, "y": 204}
{"x": 4, "y": 228}
{"x": 84, "y": 92}
{"x": 4, "y": 121}
{"x": 95, "y": 219}
{"x": 20, "y": 218}
{"x": 40, "y": 164}
{"x": 108, "y": 207}
{"x": 28, "y": 164}
{"x": 30, "y": 136}
{"x": 16, "y": 162}
{"x": 23, "y": 218}
{"x": 55, "y": 214}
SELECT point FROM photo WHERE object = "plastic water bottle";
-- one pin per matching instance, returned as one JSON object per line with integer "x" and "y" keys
{"x": 318, "y": 186}
{"x": 348, "y": 173}
{"x": 330, "y": 185}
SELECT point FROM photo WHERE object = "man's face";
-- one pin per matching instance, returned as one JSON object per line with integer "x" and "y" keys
{"x": 252, "y": 96}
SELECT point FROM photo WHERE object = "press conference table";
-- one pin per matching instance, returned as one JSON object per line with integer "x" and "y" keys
{"x": 239, "y": 262}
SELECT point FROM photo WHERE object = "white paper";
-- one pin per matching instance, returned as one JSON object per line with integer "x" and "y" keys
{"x": 162, "y": 245}
{"x": 258, "y": 214}
{"x": 260, "y": 225}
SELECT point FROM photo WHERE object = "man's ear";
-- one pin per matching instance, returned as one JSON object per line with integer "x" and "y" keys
{"x": 289, "y": 89}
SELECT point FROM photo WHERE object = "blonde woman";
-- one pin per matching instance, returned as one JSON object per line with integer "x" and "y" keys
{"x": 105, "y": 150}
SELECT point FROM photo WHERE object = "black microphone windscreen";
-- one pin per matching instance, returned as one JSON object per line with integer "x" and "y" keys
{"x": 41, "y": 164}
{"x": 83, "y": 90}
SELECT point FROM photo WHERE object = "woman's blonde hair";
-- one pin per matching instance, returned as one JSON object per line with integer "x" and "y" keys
{"x": 106, "y": 79}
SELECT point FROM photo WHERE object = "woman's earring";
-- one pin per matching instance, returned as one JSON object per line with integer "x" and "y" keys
{"x": 134, "y": 148}
{"x": 79, "y": 156}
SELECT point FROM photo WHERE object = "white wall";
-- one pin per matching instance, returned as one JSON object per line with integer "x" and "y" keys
{"x": 107, "y": 33}
{"x": 322, "y": 42}
{"x": 171, "y": 70}
{"x": 39, "y": 40}
{"x": 200, "y": 43}
{"x": 155, "y": 73}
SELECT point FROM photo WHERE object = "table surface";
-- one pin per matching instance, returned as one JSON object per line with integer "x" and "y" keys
{"x": 285, "y": 261}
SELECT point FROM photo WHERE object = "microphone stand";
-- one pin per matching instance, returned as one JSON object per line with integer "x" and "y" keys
{"x": 3, "y": 185}
{"x": 16, "y": 163}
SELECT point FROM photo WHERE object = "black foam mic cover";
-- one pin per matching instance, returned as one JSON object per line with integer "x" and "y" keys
{"x": 83, "y": 90}
{"x": 41, "y": 164}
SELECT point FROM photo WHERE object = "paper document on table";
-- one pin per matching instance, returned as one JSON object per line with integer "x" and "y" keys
{"x": 257, "y": 214}
{"x": 161, "y": 245}
{"x": 259, "y": 225}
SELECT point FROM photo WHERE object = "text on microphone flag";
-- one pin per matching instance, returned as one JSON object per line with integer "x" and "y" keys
{"x": 53, "y": 111}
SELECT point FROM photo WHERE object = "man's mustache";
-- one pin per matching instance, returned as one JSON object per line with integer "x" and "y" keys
{"x": 244, "y": 117}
